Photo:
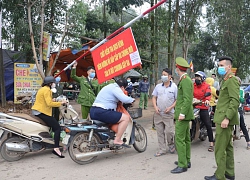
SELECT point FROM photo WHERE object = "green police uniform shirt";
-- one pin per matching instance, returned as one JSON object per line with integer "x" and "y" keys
{"x": 86, "y": 96}
{"x": 228, "y": 102}
{"x": 184, "y": 98}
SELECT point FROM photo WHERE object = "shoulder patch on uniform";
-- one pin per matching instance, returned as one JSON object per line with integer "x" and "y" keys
{"x": 184, "y": 77}
{"x": 230, "y": 76}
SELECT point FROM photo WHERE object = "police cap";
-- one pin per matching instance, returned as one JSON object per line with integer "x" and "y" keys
{"x": 181, "y": 63}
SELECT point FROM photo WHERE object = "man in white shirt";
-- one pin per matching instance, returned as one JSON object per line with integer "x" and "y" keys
{"x": 164, "y": 98}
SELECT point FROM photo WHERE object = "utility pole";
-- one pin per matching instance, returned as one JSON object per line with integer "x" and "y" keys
{"x": 2, "y": 82}
{"x": 104, "y": 19}
{"x": 152, "y": 48}
{"x": 156, "y": 50}
{"x": 169, "y": 35}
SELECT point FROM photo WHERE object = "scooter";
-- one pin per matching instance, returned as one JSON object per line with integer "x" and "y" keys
{"x": 87, "y": 141}
{"x": 237, "y": 131}
{"x": 22, "y": 133}
{"x": 198, "y": 129}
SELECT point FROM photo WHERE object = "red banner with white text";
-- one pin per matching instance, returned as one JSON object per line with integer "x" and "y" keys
{"x": 116, "y": 56}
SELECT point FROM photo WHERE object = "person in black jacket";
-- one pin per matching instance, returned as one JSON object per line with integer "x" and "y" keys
{"x": 143, "y": 88}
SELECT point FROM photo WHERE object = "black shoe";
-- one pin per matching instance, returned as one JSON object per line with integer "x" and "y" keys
{"x": 178, "y": 170}
{"x": 230, "y": 177}
{"x": 213, "y": 177}
{"x": 60, "y": 156}
{"x": 189, "y": 164}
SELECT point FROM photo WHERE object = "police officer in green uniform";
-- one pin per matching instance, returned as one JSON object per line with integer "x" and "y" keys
{"x": 183, "y": 114}
{"x": 89, "y": 88}
{"x": 225, "y": 117}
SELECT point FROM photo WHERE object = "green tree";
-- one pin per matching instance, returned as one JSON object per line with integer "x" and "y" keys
{"x": 201, "y": 52}
{"x": 15, "y": 20}
{"x": 229, "y": 24}
{"x": 116, "y": 6}
{"x": 190, "y": 11}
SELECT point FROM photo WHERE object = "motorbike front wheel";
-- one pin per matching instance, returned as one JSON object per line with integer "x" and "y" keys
{"x": 11, "y": 155}
{"x": 140, "y": 143}
{"x": 203, "y": 134}
{"x": 80, "y": 144}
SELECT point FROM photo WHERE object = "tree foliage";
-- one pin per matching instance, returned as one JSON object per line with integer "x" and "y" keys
{"x": 15, "y": 20}
{"x": 229, "y": 25}
{"x": 227, "y": 32}
{"x": 201, "y": 53}
{"x": 116, "y": 6}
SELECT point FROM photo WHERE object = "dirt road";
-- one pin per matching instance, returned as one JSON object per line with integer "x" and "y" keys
{"x": 125, "y": 165}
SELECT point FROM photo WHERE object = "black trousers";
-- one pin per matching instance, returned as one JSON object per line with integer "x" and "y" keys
{"x": 56, "y": 113}
{"x": 205, "y": 119}
{"x": 52, "y": 122}
{"x": 243, "y": 126}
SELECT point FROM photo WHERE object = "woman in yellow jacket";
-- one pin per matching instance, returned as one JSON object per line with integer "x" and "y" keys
{"x": 210, "y": 81}
{"x": 42, "y": 108}
{"x": 214, "y": 95}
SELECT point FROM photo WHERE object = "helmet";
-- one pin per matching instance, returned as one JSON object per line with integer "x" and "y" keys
{"x": 122, "y": 82}
{"x": 48, "y": 80}
{"x": 145, "y": 76}
{"x": 201, "y": 74}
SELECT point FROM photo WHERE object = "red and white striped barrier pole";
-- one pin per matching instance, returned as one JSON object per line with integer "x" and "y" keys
{"x": 113, "y": 34}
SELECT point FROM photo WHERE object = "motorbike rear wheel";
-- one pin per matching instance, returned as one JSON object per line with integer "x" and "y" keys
{"x": 11, "y": 155}
{"x": 80, "y": 144}
{"x": 140, "y": 143}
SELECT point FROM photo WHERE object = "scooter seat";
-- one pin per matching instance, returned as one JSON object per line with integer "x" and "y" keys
{"x": 99, "y": 123}
{"x": 28, "y": 117}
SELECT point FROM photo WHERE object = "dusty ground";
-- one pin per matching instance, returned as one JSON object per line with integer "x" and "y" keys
{"x": 17, "y": 108}
{"x": 127, "y": 164}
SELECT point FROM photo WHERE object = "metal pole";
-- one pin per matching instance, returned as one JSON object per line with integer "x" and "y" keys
{"x": 3, "y": 95}
{"x": 2, "y": 82}
{"x": 114, "y": 34}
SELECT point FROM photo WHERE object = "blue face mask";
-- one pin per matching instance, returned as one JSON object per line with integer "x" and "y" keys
{"x": 222, "y": 70}
{"x": 58, "y": 79}
{"x": 128, "y": 81}
{"x": 176, "y": 73}
{"x": 92, "y": 75}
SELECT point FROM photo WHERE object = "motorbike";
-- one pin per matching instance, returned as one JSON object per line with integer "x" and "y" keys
{"x": 87, "y": 141}
{"x": 198, "y": 129}
{"x": 71, "y": 91}
{"x": 22, "y": 133}
{"x": 237, "y": 131}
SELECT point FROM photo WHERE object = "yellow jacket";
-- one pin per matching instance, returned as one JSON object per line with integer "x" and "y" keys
{"x": 210, "y": 81}
{"x": 44, "y": 101}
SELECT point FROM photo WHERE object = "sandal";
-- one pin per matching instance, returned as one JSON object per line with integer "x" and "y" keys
{"x": 211, "y": 149}
{"x": 172, "y": 149}
{"x": 59, "y": 155}
{"x": 158, "y": 154}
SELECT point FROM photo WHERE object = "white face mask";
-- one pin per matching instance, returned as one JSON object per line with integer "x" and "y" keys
{"x": 54, "y": 90}
{"x": 164, "y": 78}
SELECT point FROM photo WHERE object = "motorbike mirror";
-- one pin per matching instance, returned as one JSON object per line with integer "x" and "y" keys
{"x": 207, "y": 94}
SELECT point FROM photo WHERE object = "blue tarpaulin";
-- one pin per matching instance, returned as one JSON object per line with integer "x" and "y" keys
{"x": 9, "y": 58}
